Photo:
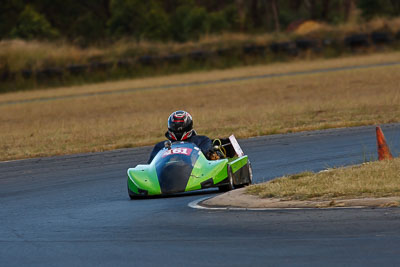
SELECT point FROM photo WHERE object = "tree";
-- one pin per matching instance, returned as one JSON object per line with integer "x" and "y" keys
{"x": 157, "y": 24}
{"x": 87, "y": 28}
{"x": 9, "y": 13}
{"x": 395, "y": 7}
{"x": 348, "y": 7}
{"x": 127, "y": 18}
{"x": 241, "y": 8}
{"x": 373, "y": 8}
{"x": 326, "y": 8}
{"x": 188, "y": 22}
{"x": 91, "y": 20}
{"x": 32, "y": 25}
{"x": 275, "y": 12}
{"x": 76, "y": 19}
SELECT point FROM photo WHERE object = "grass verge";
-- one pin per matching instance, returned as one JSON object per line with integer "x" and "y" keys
{"x": 18, "y": 54}
{"x": 374, "y": 179}
{"x": 245, "y": 108}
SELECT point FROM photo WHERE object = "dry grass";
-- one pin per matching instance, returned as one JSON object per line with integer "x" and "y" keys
{"x": 18, "y": 54}
{"x": 355, "y": 25}
{"x": 245, "y": 108}
{"x": 274, "y": 68}
{"x": 376, "y": 179}
{"x": 391, "y": 25}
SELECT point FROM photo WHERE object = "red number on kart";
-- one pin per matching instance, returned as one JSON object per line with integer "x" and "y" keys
{"x": 179, "y": 150}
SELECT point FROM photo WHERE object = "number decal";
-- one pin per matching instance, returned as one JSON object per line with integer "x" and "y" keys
{"x": 179, "y": 150}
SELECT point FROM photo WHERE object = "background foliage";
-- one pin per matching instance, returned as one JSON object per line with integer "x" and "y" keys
{"x": 91, "y": 21}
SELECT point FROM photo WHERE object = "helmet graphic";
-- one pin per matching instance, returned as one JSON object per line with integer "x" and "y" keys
{"x": 180, "y": 125}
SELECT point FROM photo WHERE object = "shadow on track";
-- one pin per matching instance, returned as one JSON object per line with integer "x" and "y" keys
{"x": 178, "y": 195}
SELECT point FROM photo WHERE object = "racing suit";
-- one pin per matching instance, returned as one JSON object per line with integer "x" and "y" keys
{"x": 203, "y": 142}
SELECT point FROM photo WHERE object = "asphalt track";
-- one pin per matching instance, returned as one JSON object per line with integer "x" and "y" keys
{"x": 75, "y": 211}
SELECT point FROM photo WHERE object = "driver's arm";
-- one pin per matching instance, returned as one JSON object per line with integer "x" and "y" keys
{"x": 156, "y": 148}
{"x": 205, "y": 144}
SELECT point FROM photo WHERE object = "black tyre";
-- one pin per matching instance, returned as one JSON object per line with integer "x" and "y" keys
{"x": 250, "y": 174}
{"x": 247, "y": 173}
{"x": 230, "y": 185}
{"x": 132, "y": 195}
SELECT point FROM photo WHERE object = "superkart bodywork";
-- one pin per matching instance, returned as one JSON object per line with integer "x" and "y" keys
{"x": 182, "y": 167}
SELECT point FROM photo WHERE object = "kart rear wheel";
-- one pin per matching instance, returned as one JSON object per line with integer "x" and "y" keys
{"x": 250, "y": 173}
{"x": 247, "y": 174}
{"x": 230, "y": 185}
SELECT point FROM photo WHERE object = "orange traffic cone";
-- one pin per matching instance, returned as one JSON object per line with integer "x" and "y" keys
{"x": 383, "y": 148}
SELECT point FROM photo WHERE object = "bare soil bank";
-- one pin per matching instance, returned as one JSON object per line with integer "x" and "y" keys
{"x": 239, "y": 199}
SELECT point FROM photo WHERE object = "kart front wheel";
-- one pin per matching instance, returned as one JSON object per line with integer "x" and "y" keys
{"x": 132, "y": 195}
{"x": 230, "y": 185}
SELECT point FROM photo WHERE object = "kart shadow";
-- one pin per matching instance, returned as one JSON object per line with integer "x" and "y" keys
{"x": 183, "y": 194}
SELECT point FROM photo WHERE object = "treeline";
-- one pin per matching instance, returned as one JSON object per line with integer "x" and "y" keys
{"x": 90, "y": 21}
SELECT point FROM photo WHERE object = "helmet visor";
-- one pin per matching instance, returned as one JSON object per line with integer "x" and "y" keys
{"x": 180, "y": 136}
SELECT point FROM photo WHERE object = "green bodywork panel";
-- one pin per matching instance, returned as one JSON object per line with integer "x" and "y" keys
{"x": 144, "y": 177}
{"x": 205, "y": 169}
{"x": 237, "y": 163}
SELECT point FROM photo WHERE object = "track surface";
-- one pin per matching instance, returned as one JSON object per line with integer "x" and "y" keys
{"x": 74, "y": 210}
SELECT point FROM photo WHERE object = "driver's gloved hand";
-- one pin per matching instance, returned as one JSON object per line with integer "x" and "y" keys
{"x": 215, "y": 155}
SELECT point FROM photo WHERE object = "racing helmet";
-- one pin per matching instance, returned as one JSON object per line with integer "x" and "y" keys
{"x": 180, "y": 126}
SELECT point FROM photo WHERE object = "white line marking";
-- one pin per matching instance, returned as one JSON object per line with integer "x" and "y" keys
{"x": 14, "y": 160}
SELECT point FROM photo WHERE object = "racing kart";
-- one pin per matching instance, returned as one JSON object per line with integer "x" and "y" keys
{"x": 182, "y": 167}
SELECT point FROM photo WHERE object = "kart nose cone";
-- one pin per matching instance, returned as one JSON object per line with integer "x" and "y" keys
{"x": 174, "y": 177}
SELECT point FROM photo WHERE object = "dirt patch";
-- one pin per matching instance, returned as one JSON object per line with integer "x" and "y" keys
{"x": 238, "y": 199}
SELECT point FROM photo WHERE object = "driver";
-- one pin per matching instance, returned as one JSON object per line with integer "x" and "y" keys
{"x": 180, "y": 128}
